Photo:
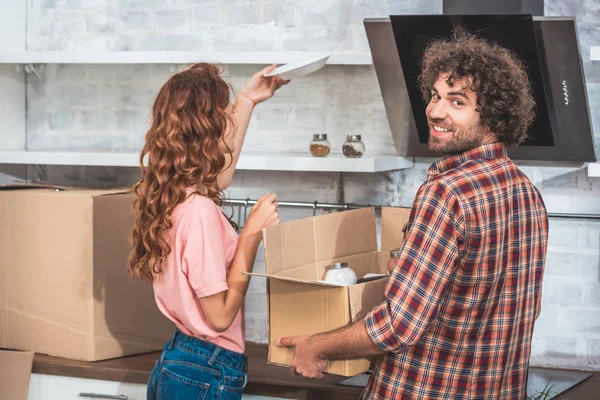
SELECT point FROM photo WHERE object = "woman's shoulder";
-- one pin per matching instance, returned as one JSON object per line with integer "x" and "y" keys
{"x": 195, "y": 210}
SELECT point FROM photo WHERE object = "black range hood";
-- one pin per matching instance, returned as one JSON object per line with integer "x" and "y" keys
{"x": 549, "y": 46}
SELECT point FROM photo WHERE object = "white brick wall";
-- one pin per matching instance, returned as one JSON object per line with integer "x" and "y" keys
{"x": 208, "y": 24}
{"x": 569, "y": 327}
{"x": 106, "y": 107}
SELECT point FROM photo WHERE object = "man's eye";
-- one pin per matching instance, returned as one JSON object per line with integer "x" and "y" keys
{"x": 435, "y": 96}
{"x": 457, "y": 102}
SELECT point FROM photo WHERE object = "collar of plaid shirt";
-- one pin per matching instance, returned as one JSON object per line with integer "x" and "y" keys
{"x": 486, "y": 151}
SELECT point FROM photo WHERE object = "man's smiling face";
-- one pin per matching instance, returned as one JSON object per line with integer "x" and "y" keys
{"x": 454, "y": 123}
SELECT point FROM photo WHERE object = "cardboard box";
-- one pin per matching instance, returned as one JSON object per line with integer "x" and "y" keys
{"x": 296, "y": 256}
{"x": 15, "y": 373}
{"x": 65, "y": 290}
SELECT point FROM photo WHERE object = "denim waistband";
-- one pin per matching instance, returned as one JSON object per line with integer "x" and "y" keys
{"x": 212, "y": 352}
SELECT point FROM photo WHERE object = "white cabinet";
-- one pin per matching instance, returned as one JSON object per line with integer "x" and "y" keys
{"x": 51, "y": 387}
{"x": 34, "y": 387}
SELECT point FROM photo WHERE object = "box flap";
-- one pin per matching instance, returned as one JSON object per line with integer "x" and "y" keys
{"x": 15, "y": 373}
{"x": 366, "y": 296}
{"x": 310, "y": 240}
{"x": 393, "y": 220}
{"x": 296, "y": 280}
{"x": 99, "y": 192}
{"x": 362, "y": 264}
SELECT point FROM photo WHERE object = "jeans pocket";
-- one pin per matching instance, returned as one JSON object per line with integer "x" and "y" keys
{"x": 232, "y": 385}
{"x": 235, "y": 381}
{"x": 172, "y": 386}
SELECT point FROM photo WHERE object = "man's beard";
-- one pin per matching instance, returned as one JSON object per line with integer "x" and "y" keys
{"x": 460, "y": 140}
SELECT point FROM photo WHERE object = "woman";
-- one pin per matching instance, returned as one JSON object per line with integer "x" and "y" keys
{"x": 182, "y": 241}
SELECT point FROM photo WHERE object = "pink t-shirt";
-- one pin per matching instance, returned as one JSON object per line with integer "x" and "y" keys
{"x": 203, "y": 244}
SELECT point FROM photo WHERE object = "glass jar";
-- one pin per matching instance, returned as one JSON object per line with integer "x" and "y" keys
{"x": 341, "y": 274}
{"x": 320, "y": 147}
{"x": 353, "y": 147}
{"x": 394, "y": 257}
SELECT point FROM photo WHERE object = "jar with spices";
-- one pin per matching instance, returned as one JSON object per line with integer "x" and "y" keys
{"x": 340, "y": 273}
{"x": 394, "y": 257}
{"x": 320, "y": 147}
{"x": 353, "y": 147}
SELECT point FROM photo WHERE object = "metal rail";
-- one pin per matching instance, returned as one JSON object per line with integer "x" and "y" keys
{"x": 348, "y": 206}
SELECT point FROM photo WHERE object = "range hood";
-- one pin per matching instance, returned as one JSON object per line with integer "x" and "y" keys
{"x": 549, "y": 46}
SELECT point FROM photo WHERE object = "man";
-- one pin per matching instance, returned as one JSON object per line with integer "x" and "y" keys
{"x": 461, "y": 303}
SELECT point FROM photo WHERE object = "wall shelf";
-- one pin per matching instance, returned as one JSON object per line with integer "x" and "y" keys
{"x": 595, "y": 53}
{"x": 248, "y": 161}
{"x": 177, "y": 57}
{"x": 593, "y": 169}
{"x": 13, "y": 101}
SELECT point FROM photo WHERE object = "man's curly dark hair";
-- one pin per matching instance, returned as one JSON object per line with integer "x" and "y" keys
{"x": 504, "y": 100}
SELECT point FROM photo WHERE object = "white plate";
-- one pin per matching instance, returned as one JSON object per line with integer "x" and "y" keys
{"x": 300, "y": 68}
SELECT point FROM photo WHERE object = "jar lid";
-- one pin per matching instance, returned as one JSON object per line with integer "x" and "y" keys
{"x": 320, "y": 136}
{"x": 337, "y": 265}
{"x": 395, "y": 253}
{"x": 353, "y": 138}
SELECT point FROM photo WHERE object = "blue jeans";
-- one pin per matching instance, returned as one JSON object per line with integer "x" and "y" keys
{"x": 190, "y": 368}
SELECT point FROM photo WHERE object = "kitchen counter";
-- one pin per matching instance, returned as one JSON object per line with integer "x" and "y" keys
{"x": 263, "y": 378}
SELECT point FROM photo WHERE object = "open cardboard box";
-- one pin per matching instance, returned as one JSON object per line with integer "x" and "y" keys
{"x": 65, "y": 289}
{"x": 296, "y": 256}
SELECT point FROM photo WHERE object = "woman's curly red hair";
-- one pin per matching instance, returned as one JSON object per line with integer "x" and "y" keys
{"x": 183, "y": 147}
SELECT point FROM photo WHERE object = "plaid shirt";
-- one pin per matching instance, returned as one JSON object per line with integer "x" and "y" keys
{"x": 463, "y": 298}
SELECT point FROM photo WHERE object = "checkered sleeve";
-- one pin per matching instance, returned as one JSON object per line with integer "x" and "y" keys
{"x": 421, "y": 276}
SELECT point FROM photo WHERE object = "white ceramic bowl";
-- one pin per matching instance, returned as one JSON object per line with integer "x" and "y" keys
{"x": 300, "y": 68}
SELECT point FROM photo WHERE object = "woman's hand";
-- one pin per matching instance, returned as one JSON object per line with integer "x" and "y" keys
{"x": 260, "y": 88}
{"x": 264, "y": 213}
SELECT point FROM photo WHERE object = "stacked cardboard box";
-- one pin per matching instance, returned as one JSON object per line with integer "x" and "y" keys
{"x": 64, "y": 288}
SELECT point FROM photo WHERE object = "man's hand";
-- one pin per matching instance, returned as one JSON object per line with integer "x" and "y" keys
{"x": 312, "y": 353}
{"x": 307, "y": 360}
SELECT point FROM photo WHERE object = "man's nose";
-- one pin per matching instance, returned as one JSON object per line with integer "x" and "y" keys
{"x": 438, "y": 111}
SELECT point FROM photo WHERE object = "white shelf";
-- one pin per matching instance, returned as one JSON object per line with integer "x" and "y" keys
{"x": 593, "y": 169}
{"x": 595, "y": 53}
{"x": 176, "y": 57}
{"x": 248, "y": 161}
{"x": 331, "y": 163}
